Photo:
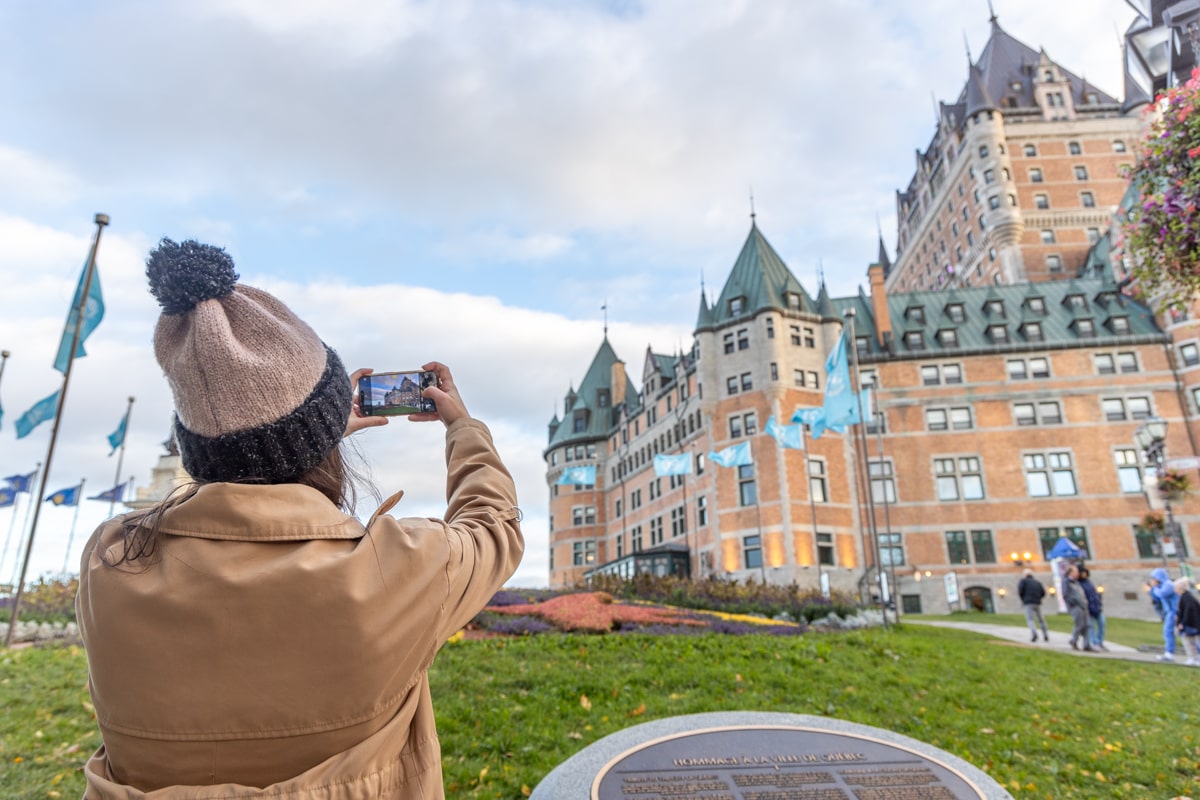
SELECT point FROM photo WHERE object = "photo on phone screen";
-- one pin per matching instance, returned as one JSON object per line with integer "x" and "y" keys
{"x": 395, "y": 393}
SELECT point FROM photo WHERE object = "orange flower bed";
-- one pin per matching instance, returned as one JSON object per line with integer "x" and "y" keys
{"x": 595, "y": 612}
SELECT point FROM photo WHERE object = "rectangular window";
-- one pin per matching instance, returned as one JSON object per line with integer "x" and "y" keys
{"x": 752, "y": 551}
{"x": 1049, "y": 474}
{"x": 1129, "y": 470}
{"x": 1076, "y": 534}
{"x": 1189, "y": 354}
{"x": 728, "y": 343}
{"x": 743, "y": 339}
{"x": 1081, "y": 173}
{"x": 798, "y": 377}
{"x": 747, "y": 383}
{"x": 735, "y": 427}
{"x": 584, "y": 553}
{"x": 774, "y": 371}
{"x": 813, "y": 382}
{"x": 1048, "y": 236}
{"x": 731, "y": 385}
{"x": 1087, "y": 199}
{"x": 826, "y": 554}
{"x": 1041, "y": 201}
{"x": 795, "y": 334}
{"x": 1035, "y": 174}
{"x": 816, "y": 481}
{"x": 635, "y": 538}
{"x": 656, "y": 531}
{"x": 960, "y": 418}
{"x": 956, "y": 548}
{"x": 1054, "y": 262}
{"x": 809, "y": 338}
{"x": 936, "y": 420}
{"x": 750, "y": 423}
{"x": 701, "y": 511}
{"x": 883, "y": 485}
{"x": 678, "y": 522}
{"x": 891, "y": 550}
{"x": 1127, "y": 362}
{"x": 931, "y": 376}
{"x": 1138, "y": 407}
{"x": 617, "y": 507}
{"x": 1104, "y": 364}
{"x": 985, "y": 550}
{"x": 747, "y": 491}
{"x": 1113, "y": 408}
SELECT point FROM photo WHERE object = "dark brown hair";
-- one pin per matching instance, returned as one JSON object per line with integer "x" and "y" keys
{"x": 142, "y": 530}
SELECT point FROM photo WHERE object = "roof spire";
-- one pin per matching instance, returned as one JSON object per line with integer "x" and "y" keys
{"x": 991, "y": 13}
{"x": 752, "y": 214}
{"x": 604, "y": 308}
{"x": 967, "y": 44}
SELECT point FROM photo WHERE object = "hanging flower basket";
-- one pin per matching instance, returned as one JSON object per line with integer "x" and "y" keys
{"x": 1154, "y": 523}
{"x": 1161, "y": 231}
{"x": 1174, "y": 485}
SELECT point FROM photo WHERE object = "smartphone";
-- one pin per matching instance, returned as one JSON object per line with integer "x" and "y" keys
{"x": 395, "y": 393}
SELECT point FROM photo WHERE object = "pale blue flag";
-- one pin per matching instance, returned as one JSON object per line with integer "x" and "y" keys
{"x": 117, "y": 437}
{"x": 788, "y": 436}
{"x": 839, "y": 397}
{"x": 813, "y": 417}
{"x": 93, "y": 312}
{"x": 42, "y": 410}
{"x": 578, "y": 476}
{"x": 673, "y": 465}
{"x": 736, "y": 455}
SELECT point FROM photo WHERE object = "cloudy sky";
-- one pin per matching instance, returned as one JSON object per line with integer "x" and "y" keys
{"x": 462, "y": 180}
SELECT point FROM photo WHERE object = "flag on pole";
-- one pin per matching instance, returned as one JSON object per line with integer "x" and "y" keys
{"x": 117, "y": 437}
{"x": 839, "y": 397}
{"x": 578, "y": 476}
{"x": 788, "y": 436}
{"x": 673, "y": 465}
{"x": 112, "y": 495}
{"x": 42, "y": 410}
{"x": 66, "y": 497}
{"x": 7, "y": 497}
{"x": 93, "y": 312}
{"x": 736, "y": 455}
{"x": 20, "y": 483}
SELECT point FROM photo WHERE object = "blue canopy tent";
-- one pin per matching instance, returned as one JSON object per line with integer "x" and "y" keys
{"x": 1065, "y": 548}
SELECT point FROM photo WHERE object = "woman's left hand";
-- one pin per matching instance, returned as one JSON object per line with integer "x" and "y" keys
{"x": 358, "y": 420}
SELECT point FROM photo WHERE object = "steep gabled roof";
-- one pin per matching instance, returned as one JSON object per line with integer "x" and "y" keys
{"x": 761, "y": 279}
{"x": 585, "y": 403}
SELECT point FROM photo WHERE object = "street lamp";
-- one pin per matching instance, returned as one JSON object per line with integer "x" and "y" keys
{"x": 1151, "y": 437}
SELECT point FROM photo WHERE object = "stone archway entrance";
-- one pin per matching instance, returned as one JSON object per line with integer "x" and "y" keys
{"x": 979, "y": 598}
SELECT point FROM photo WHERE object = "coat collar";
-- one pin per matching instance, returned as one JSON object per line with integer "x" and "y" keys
{"x": 253, "y": 513}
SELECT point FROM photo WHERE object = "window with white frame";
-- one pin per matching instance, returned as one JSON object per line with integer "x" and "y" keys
{"x": 1044, "y": 412}
{"x": 1189, "y": 354}
{"x": 701, "y": 511}
{"x": 1119, "y": 408}
{"x": 731, "y": 385}
{"x": 958, "y": 478}
{"x": 883, "y": 482}
{"x": 747, "y": 490}
{"x": 1129, "y": 470}
{"x": 818, "y": 485}
{"x": 583, "y": 515}
{"x": 1054, "y": 262}
{"x": 891, "y": 549}
{"x": 584, "y": 553}
{"x": 826, "y": 554}
{"x": 1049, "y": 474}
{"x": 752, "y": 551}
{"x": 656, "y": 531}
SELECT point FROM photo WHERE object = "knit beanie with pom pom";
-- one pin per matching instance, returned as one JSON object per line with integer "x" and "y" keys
{"x": 258, "y": 396}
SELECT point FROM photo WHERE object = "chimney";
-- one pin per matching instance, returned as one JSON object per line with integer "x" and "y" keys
{"x": 618, "y": 383}
{"x": 879, "y": 306}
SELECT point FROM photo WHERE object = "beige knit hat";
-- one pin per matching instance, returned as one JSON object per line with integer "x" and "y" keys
{"x": 258, "y": 395}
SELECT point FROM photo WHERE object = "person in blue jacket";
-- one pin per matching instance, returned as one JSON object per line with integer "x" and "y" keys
{"x": 1163, "y": 590}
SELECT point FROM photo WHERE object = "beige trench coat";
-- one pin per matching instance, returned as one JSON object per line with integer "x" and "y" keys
{"x": 275, "y": 647}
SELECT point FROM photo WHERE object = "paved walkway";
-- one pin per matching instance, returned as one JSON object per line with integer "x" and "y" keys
{"x": 1059, "y": 642}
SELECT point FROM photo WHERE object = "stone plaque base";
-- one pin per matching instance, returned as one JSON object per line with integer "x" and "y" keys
{"x": 763, "y": 756}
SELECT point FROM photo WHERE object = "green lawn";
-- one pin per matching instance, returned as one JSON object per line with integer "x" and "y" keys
{"x": 1044, "y": 724}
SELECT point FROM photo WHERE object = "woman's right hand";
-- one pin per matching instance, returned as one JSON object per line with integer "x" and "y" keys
{"x": 450, "y": 407}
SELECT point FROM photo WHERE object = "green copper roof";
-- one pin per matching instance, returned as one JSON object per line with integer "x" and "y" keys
{"x": 758, "y": 281}
{"x": 592, "y": 404}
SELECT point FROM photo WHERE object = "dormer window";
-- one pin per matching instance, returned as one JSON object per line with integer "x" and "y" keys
{"x": 1105, "y": 297}
{"x": 793, "y": 300}
{"x": 955, "y": 312}
{"x": 998, "y": 334}
{"x": 1032, "y": 331}
{"x": 948, "y": 337}
{"x": 1075, "y": 301}
{"x": 1084, "y": 327}
{"x": 1119, "y": 325}
{"x": 737, "y": 305}
{"x": 914, "y": 340}
{"x": 915, "y": 314}
{"x": 994, "y": 308}
{"x": 602, "y": 398}
{"x": 1036, "y": 304}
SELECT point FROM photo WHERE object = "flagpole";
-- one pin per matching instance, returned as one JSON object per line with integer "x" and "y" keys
{"x": 101, "y": 220}
{"x": 861, "y": 438}
{"x": 4, "y": 354}
{"x": 71, "y": 537}
{"x": 812, "y": 506}
{"x": 887, "y": 514}
{"x": 121, "y": 456}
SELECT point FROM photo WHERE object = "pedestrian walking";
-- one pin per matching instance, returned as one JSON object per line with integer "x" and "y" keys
{"x": 1189, "y": 621}
{"x": 1095, "y": 606}
{"x": 1031, "y": 592}
{"x": 1076, "y": 602}
{"x": 1163, "y": 590}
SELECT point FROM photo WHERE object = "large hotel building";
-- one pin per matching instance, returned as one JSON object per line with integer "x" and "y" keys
{"x": 1012, "y": 366}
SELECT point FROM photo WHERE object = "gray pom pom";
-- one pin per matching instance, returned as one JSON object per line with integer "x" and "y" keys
{"x": 185, "y": 274}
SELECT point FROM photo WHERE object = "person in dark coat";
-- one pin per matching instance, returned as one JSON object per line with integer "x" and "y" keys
{"x": 1031, "y": 592}
{"x": 1076, "y": 602}
{"x": 1188, "y": 621}
{"x": 1095, "y": 605}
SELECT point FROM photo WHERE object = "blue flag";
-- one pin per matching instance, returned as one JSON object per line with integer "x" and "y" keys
{"x": 839, "y": 397}
{"x": 113, "y": 494}
{"x": 788, "y": 436}
{"x": 20, "y": 483}
{"x": 7, "y": 497}
{"x": 42, "y": 410}
{"x": 578, "y": 476}
{"x": 736, "y": 455}
{"x": 673, "y": 465}
{"x": 93, "y": 312}
{"x": 65, "y": 497}
{"x": 117, "y": 437}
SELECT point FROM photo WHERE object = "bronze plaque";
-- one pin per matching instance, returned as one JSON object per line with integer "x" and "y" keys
{"x": 778, "y": 763}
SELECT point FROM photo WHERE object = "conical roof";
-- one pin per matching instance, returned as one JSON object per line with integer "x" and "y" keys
{"x": 760, "y": 280}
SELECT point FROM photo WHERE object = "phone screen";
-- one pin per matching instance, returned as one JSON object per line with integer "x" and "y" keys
{"x": 395, "y": 393}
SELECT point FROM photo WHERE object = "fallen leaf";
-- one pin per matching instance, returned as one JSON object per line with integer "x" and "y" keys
{"x": 637, "y": 712}
{"x": 583, "y": 701}
{"x": 574, "y": 735}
